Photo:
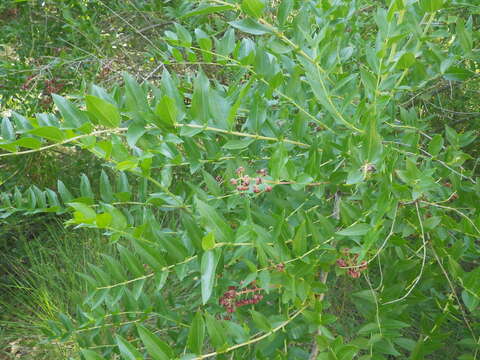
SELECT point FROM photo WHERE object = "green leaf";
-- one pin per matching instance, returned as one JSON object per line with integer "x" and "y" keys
{"x": 372, "y": 141}
{"x": 150, "y": 255}
{"x": 196, "y": 335}
{"x": 250, "y": 27}
{"x": 205, "y": 44}
{"x": 435, "y": 145}
{"x": 103, "y": 220}
{"x": 119, "y": 222}
{"x": 49, "y": 133}
{"x": 85, "y": 210}
{"x": 253, "y": 8}
{"x": 134, "y": 133}
{"x": 216, "y": 332}
{"x": 183, "y": 35}
{"x": 470, "y": 301}
{"x": 104, "y": 112}
{"x": 91, "y": 355}
{"x": 238, "y": 144}
{"x": 317, "y": 82}
{"x": 234, "y": 109}
{"x": 226, "y": 44}
{"x": 431, "y": 5}
{"x": 136, "y": 98}
{"x": 156, "y": 348}
{"x": 355, "y": 230}
{"x": 85, "y": 188}
{"x": 73, "y": 116}
{"x": 200, "y": 99}
{"x": 284, "y": 11}
{"x": 131, "y": 261}
{"x": 406, "y": 60}
{"x": 8, "y": 133}
{"x": 300, "y": 240}
{"x": 212, "y": 184}
{"x": 207, "y": 270}
{"x": 127, "y": 350}
{"x": 167, "y": 113}
{"x": 464, "y": 36}
{"x": 455, "y": 73}
{"x": 63, "y": 191}
{"x": 208, "y": 241}
{"x": 261, "y": 321}
{"x": 278, "y": 161}
{"x": 106, "y": 192}
{"x": 208, "y": 9}
{"x": 215, "y": 222}
{"x": 28, "y": 142}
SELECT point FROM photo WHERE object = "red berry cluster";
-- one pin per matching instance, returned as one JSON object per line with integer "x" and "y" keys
{"x": 52, "y": 87}
{"x": 245, "y": 182}
{"x": 350, "y": 262}
{"x": 233, "y": 298}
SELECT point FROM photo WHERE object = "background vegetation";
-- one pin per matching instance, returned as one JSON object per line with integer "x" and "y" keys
{"x": 239, "y": 179}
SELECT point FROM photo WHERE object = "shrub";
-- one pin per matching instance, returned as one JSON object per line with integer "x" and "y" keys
{"x": 239, "y": 199}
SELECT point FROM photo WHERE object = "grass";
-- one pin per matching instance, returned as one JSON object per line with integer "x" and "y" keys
{"x": 42, "y": 50}
{"x": 39, "y": 281}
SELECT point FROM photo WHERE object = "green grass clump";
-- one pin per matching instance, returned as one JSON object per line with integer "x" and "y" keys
{"x": 39, "y": 280}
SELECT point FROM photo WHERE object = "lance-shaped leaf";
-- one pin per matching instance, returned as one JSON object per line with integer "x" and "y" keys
{"x": 300, "y": 240}
{"x": 216, "y": 331}
{"x": 105, "y": 188}
{"x": 135, "y": 96}
{"x": 8, "y": 133}
{"x": 250, "y": 27}
{"x": 156, "y": 348}
{"x": 104, "y": 112}
{"x": 200, "y": 99}
{"x": 91, "y": 355}
{"x": 127, "y": 350}
{"x": 73, "y": 116}
{"x": 207, "y": 9}
{"x": 167, "y": 113}
{"x": 196, "y": 335}
{"x": 215, "y": 222}
{"x": 207, "y": 270}
{"x": 253, "y": 8}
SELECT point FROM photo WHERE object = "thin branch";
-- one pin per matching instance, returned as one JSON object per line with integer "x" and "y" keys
{"x": 66, "y": 141}
{"x": 452, "y": 209}
{"x": 165, "y": 268}
{"x": 419, "y": 276}
{"x": 237, "y": 133}
{"x": 454, "y": 293}
{"x": 254, "y": 339}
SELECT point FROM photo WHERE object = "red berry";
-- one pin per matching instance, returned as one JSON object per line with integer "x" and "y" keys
{"x": 268, "y": 188}
{"x": 341, "y": 263}
{"x": 354, "y": 274}
{"x": 256, "y": 190}
{"x": 233, "y": 181}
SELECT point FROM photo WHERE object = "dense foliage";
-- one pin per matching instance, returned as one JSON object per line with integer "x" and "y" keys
{"x": 286, "y": 166}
